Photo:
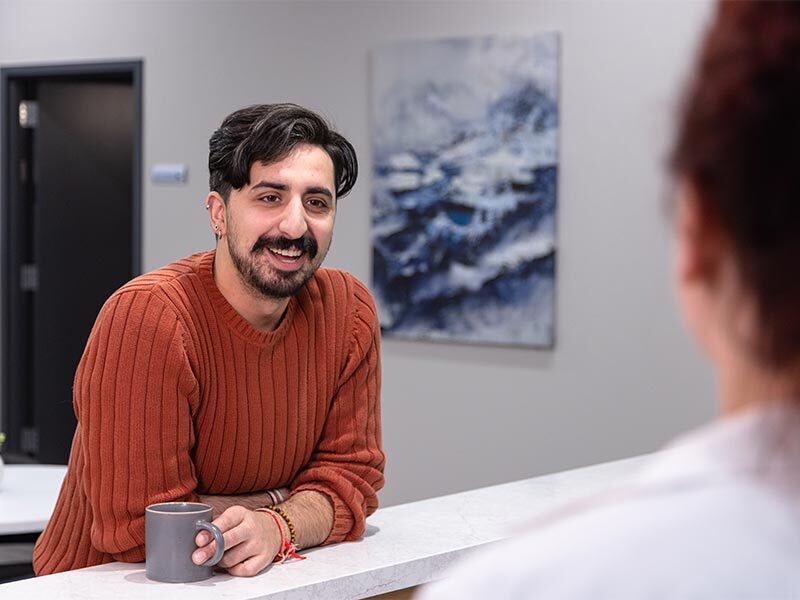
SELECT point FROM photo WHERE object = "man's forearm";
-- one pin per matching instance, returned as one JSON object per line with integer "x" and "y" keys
{"x": 310, "y": 512}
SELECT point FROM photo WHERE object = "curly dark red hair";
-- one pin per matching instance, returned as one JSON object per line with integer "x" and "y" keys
{"x": 739, "y": 144}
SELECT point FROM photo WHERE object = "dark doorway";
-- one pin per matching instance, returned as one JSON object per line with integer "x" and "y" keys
{"x": 71, "y": 214}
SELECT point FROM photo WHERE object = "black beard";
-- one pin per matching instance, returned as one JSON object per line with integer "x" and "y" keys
{"x": 287, "y": 283}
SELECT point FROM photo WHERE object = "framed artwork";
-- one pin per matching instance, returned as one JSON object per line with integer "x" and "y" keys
{"x": 465, "y": 158}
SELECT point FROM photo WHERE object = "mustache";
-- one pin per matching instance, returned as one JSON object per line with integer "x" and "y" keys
{"x": 306, "y": 244}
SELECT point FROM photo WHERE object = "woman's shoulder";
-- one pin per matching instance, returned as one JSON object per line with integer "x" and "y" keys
{"x": 714, "y": 530}
{"x": 677, "y": 543}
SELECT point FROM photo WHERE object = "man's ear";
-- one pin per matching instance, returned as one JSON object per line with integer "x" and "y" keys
{"x": 216, "y": 213}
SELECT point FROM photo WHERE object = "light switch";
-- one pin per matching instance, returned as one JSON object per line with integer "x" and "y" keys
{"x": 169, "y": 173}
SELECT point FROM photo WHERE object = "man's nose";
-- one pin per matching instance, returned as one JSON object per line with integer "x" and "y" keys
{"x": 293, "y": 219}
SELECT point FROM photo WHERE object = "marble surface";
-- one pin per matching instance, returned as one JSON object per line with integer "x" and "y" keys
{"x": 28, "y": 494}
{"x": 404, "y": 545}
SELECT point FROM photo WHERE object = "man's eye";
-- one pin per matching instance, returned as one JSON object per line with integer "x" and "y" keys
{"x": 270, "y": 198}
{"x": 317, "y": 203}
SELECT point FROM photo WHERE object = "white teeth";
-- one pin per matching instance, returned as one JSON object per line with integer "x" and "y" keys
{"x": 288, "y": 253}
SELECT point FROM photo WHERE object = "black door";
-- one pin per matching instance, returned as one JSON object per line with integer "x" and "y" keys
{"x": 76, "y": 242}
{"x": 82, "y": 231}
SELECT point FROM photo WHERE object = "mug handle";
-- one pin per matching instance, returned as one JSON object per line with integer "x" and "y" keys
{"x": 220, "y": 542}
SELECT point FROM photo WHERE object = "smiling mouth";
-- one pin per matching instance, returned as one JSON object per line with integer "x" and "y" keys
{"x": 286, "y": 259}
{"x": 286, "y": 254}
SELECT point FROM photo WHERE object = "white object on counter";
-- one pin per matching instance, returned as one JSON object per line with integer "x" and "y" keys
{"x": 28, "y": 495}
{"x": 403, "y": 546}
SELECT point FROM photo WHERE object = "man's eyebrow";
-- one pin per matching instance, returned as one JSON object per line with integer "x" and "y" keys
{"x": 320, "y": 190}
{"x": 270, "y": 184}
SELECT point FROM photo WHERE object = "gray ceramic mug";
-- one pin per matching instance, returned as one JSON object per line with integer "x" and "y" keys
{"x": 170, "y": 530}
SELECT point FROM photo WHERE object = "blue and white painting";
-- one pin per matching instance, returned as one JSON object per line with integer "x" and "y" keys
{"x": 465, "y": 142}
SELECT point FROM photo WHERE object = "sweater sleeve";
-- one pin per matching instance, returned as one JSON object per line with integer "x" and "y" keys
{"x": 133, "y": 391}
{"x": 347, "y": 463}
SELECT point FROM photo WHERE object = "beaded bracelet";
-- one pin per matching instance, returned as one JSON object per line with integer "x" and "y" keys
{"x": 287, "y": 549}
{"x": 285, "y": 517}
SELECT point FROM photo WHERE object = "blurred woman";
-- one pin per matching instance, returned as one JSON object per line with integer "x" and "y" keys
{"x": 716, "y": 515}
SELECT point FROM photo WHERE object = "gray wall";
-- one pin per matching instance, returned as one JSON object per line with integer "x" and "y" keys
{"x": 623, "y": 377}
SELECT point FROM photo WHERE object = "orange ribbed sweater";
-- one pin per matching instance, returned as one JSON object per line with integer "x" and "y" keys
{"x": 177, "y": 395}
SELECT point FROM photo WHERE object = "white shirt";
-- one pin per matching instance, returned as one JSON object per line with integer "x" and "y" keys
{"x": 716, "y": 515}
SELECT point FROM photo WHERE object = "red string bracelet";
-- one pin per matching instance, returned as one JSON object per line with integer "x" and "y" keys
{"x": 287, "y": 548}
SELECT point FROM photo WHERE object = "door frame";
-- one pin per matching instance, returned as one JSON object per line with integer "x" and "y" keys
{"x": 9, "y": 178}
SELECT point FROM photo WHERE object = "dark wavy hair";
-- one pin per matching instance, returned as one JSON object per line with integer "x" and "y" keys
{"x": 268, "y": 133}
{"x": 739, "y": 144}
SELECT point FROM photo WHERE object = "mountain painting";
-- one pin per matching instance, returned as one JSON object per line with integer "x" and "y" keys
{"x": 465, "y": 155}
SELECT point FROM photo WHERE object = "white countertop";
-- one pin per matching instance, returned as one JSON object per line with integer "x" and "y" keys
{"x": 404, "y": 546}
{"x": 28, "y": 495}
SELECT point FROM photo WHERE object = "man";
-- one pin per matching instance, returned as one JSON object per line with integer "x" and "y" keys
{"x": 233, "y": 372}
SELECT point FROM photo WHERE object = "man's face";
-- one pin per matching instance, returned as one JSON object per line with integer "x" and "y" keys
{"x": 280, "y": 224}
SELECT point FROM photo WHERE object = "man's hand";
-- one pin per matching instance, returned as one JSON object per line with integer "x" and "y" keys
{"x": 252, "y": 540}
